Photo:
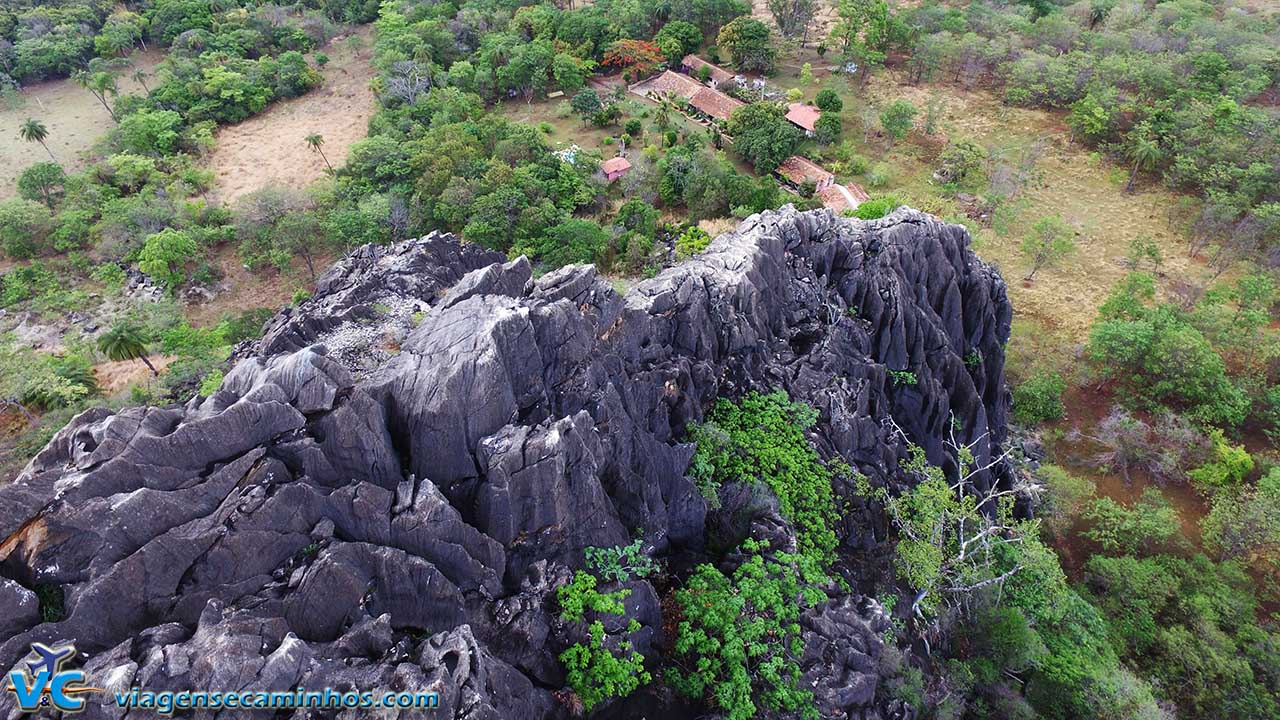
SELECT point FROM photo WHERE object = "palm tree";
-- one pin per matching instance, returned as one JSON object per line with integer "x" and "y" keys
{"x": 140, "y": 77}
{"x": 100, "y": 84}
{"x": 124, "y": 342}
{"x": 315, "y": 141}
{"x": 34, "y": 131}
{"x": 1144, "y": 152}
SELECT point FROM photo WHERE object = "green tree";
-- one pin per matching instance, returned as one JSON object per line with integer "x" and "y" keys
{"x": 152, "y": 133}
{"x": 1143, "y": 152}
{"x": 100, "y": 81}
{"x": 678, "y": 38}
{"x": 34, "y": 131}
{"x": 749, "y": 45}
{"x": 575, "y": 240}
{"x": 43, "y": 182}
{"x": 862, "y": 33}
{"x": 125, "y": 341}
{"x": 828, "y": 128}
{"x": 806, "y": 74}
{"x": 828, "y": 101}
{"x": 586, "y": 103}
{"x": 897, "y": 118}
{"x": 762, "y": 135}
{"x": 1050, "y": 241}
{"x": 165, "y": 254}
{"x": 24, "y": 227}
{"x": 792, "y": 16}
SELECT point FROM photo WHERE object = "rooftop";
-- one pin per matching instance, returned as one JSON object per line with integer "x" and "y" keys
{"x": 798, "y": 169}
{"x": 669, "y": 82}
{"x": 615, "y": 164}
{"x": 714, "y": 103}
{"x": 694, "y": 63}
{"x": 843, "y": 197}
{"x": 805, "y": 116}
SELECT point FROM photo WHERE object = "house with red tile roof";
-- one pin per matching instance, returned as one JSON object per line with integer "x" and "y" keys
{"x": 803, "y": 116}
{"x": 795, "y": 171}
{"x": 615, "y": 167}
{"x": 843, "y": 197}
{"x": 693, "y": 65}
{"x": 714, "y": 103}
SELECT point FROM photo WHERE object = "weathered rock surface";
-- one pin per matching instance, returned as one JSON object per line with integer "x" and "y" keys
{"x": 396, "y": 514}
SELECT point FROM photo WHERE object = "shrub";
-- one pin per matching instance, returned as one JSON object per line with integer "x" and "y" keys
{"x": 620, "y": 563}
{"x": 24, "y": 227}
{"x": 1039, "y": 399}
{"x": 594, "y": 671}
{"x": 828, "y": 101}
{"x": 740, "y": 636}
{"x": 877, "y": 208}
{"x": 164, "y": 255}
{"x": 1145, "y": 528}
{"x": 597, "y": 673}
{"x": 762, "y": 438}
{"x": 1227, "y": 468}
{"x": 692, "y": 241}
{"x": 43, "y": 182}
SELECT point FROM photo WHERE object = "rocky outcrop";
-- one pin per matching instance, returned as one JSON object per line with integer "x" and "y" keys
{"x": 391, "y": 483}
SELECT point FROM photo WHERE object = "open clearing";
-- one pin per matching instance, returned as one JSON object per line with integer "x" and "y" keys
{"x": 270, "y": 148}
{"x": 74, "y": 117}
{"x": 1071, "y": 181}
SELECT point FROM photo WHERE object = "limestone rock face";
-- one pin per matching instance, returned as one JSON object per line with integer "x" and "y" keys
{"x": 391, "y": 483}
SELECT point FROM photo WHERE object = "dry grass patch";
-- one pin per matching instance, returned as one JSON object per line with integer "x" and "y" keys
{"x": 1072, "y": 182}
{"x": 74, "y": 117}
{"x": 270, "y": 148}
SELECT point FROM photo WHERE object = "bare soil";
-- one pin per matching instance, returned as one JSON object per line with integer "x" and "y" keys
{"x": 243, "y": 290}
{"x": 270, "y": 148}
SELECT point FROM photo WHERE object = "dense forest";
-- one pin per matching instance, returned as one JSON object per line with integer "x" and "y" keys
{"x": 1161, "y": 600}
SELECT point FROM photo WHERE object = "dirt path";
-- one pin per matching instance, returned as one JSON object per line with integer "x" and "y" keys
{"x": 74, "y": 117}
{"x": 270, "y": 148}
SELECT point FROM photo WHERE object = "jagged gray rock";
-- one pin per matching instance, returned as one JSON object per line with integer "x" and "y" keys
{"x": 401, "y": 518}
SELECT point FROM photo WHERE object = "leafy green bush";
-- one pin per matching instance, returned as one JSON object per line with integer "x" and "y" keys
{"x": 877, "y": 208}
{"x": 594, "y": 671}
{"x": 740, "y": 636}
{"x": 1152, "y": 523}
{"x": 762, "y": 438}
{"x": 1039, "y": 399}
{"x": 1227, "y": 468}
{"x": 620, "y": 563}
{"x": 597, "y": 673}
{"x": 164, "y": 256}
{"x": 24, "y": 227}
{"x": 692, "y": 241}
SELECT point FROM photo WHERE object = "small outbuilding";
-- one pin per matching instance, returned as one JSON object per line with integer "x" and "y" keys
{"x": 795, "y": 171}
{"x": 615, "y": 167}
{"x": 803, "y": 116}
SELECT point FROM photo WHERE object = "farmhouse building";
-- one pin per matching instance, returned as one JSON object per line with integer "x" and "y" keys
{"x": 803, "y": 116}
{"x": 615, "y": 167}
